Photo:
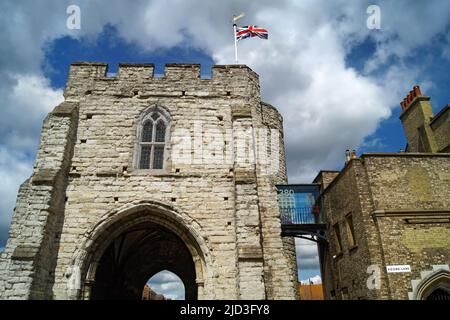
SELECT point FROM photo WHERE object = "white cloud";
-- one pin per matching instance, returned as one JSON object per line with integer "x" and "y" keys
{"x": 327, "y": 106}
{"x": 405, "y": 27}
{"x": 373, "y": 143}
{"x": 306, "y": 253}
{"x": 14, "y": 169}
{"x": 168, "y": 284}
{"x": 164, "y": 276}
{"x": 25, "y": 105}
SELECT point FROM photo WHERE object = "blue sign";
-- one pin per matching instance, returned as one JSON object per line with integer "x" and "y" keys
{"x": 299, "y": 204}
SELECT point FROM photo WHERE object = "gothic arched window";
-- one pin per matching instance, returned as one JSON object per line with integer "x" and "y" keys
{"x": 152, "y": 140}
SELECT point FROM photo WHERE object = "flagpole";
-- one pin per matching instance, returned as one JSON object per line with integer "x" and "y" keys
{"x": 235, "y": 44}
{"x": 236, "y": 18}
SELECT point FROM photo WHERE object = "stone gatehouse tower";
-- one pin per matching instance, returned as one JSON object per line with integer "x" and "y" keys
{"x": 136, "y": 174}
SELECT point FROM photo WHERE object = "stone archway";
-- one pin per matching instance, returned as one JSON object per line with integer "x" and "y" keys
{"x": 130, "y": 244}
{"x": 136, "y": 255}
{"x": 434, "y": 285}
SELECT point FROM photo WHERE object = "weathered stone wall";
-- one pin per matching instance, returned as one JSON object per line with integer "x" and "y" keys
{"x": 441, "y": 129}
{"x": 324, "y": 178}
{"x": 411, "y": 195}
{"x": 346, "y": 270}
{"x": 416, "y": 123}
{"x": 420, "y": 241}
{"x": 400, "y": 208}
{"x": 226, "y": 198}
{"x": 409, "y": 182}
{"x": 279, "y": 253}
{"x": 28, "y": 262}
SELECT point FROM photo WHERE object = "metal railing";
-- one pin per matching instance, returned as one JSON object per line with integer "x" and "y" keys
{"x": 299, "y": 204}
{"x": 305, "y": 215}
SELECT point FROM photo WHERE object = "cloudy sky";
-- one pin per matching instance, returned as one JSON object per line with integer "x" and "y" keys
{"x": 336, "y": 82}
{"x": 168, "y": 284}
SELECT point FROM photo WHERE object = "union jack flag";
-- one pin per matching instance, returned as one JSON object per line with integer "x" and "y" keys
{"x": 251, "y": 31}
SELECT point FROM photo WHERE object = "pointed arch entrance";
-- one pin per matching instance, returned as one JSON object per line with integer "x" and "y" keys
{"x": 135, "y": 255}
{"x": 131, "y": 244}
{"x": 435, "y": 286}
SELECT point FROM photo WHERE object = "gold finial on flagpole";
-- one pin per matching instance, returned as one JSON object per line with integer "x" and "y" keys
{"x": 236, "y": 18}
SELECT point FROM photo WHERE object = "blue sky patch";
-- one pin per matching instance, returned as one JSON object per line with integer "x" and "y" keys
{"x": 109, "y": 47}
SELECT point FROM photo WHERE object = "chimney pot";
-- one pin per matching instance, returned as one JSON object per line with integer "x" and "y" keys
{"x": 417, "y": 91}
{"x": 353, "y": 154}
{"x": 347, "y": 155}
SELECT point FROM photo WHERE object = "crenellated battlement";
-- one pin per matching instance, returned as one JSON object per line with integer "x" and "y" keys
{"x": 82, "y": 72}
{"x": 89, "y": 77}
{"x": 173, "y": 71}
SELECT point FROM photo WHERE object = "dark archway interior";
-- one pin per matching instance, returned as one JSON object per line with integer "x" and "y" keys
{"x": 439, "y": 294}
{"x": 135, "y": 256}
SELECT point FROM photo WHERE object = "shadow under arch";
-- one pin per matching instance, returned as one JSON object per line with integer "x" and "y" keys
{"x": 437, "y": 281}
{"x": 135, "y": 217}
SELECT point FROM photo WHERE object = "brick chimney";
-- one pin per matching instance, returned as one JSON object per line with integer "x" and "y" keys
{"x": 415, "y": 117}
{"x": 415, "y": 92}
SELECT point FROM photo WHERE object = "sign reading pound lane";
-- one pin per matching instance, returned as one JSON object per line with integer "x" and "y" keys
{"x": 398, "y": 268}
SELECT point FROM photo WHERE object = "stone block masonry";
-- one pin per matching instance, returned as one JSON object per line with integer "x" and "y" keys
{"x": 88, "y": 189}
{"x": 398, "y": 205}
